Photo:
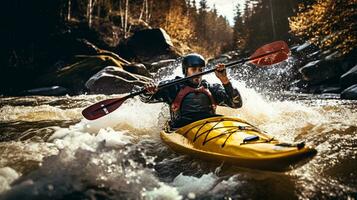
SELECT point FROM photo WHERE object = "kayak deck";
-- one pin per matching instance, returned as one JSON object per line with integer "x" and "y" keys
{"x": 235, "y": 141}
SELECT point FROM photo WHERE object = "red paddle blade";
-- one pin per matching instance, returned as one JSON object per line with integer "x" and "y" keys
{"x": 281, "y": 49}
{"x": 102, "y": 108}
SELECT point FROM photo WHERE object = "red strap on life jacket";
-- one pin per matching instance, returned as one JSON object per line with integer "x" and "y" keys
{"x": 176, "y": 104}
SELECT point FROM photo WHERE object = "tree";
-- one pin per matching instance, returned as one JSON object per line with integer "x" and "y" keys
{"x": 239, "y": 33}
{"x": 266, "y": 21}
{"x": 177, "y": 23}
{"x": 328, "y": 23}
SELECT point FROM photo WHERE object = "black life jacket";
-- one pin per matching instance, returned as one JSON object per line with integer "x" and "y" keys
{"x": 191, "y": 100}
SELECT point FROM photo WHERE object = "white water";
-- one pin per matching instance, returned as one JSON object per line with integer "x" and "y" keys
{"x": 105, "y": 152}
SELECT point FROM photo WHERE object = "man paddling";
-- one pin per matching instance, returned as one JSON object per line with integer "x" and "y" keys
{"x": 194, "y": 99}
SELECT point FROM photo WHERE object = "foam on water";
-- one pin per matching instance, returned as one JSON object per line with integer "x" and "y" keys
{"x": 115, "y": 156}
{"x": 7, "y": 176}
{"x": 37, "y": 113}
{"x": 190, "y": 184}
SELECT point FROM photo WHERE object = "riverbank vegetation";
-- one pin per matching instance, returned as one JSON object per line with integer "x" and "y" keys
{"x": 40, "y": 37}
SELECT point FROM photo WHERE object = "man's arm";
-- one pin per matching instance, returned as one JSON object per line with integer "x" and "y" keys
{"x": 226, "y": 95}
{"x": 153, "y": 95}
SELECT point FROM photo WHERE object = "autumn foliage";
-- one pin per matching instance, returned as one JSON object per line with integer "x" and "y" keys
{"x": 328, "y": 23}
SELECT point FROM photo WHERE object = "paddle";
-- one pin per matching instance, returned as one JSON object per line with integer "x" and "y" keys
{"x": 268, "y": 54}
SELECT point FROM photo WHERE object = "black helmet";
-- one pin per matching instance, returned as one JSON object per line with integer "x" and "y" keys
{"x": 192, "y": 60}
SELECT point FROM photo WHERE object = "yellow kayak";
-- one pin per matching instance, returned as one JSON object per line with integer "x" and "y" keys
{"x": 235, "y": 141}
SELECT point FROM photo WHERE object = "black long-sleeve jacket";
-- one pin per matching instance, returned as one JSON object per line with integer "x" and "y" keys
{"x": 224, "y": 95}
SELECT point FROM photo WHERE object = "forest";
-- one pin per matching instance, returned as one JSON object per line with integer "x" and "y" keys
{"x": 37, "y": 35}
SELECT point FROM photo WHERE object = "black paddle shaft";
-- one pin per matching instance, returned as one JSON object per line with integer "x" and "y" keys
{"x": 243, "y": 60}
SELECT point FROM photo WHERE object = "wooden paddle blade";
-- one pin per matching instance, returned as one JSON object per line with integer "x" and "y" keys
{"x": 281, "y": 49}
{"x": 102, "y": 108}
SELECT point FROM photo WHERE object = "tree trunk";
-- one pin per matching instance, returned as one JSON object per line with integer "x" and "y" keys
{"x": 90, "y": 12}
{"x": 146, "y": 11}
{"x": 126, "y": 18}
{"x": 142, "y": 10}
{"x": 69, "y": 10}
{"x": 121, "y": 14}
{"x": 272, "y": 19}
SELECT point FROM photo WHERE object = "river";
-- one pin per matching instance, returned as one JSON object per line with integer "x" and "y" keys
{"x": 48, "y": 151}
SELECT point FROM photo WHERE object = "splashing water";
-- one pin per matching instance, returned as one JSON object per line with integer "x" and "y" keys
{"x": 48, "y": 151}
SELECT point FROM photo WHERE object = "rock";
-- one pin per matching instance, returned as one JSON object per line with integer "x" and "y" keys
{"x": 306, "y": 48}
{"x": 298, "y": 86}
{"x": 321, "y": 70}
{"x": 47, "y": 91}
{"x": 333, "y": 56}
{"x": 330, "y": 96}
{"x": 349, "y": 78}
{"x": 315, "y": 55}
{"x": 332, "y": 89}
{"x": 137, "y": 68}
{"x": 350, "y": 92}
{"x": 114, "y": 80}
{"x": 147, "y": 46}
{"x": 155, "y": 66}
{"x": 294, "y": 48}
{"x": 74, "y": 76}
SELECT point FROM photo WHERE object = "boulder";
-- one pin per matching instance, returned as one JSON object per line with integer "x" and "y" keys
{"x": 350, "y": 92}
{"x": 155, "y": 66}
{"x": 349, "y": 78}
{"x": 114, "y": 80}
{"x": 74, "y": 76}
{"x": 321, "y": 70}
{"x": 147, "y": 46}
{"x": 137, "y": 68}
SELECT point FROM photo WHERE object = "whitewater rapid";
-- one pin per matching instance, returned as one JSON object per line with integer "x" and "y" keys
{"x": 48, "y": 150}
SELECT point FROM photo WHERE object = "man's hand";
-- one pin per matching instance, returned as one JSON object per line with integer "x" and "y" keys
{"x": 221, "y": 73}
{"x": 151, "y": 88}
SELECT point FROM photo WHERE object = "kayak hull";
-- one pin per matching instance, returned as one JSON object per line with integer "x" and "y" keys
{"x": 235, "y": 141}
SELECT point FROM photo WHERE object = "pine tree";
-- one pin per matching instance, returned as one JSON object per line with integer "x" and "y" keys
{"x": 239, "y": 40}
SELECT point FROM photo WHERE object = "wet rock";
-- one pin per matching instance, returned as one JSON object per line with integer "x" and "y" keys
{"x": 349, "y": 78}
{"x": 333, "y": 56}
{"x": 294, "y": 48}
{"x": 298, "y": 86}
{"x": 350, "y": 92}
{"x": 47, "y": 91}
{"x": 114, "y": 80}
{"x": 74, "y": 76}
{"x": 320, "y": 89}
{"x": 147, "y": 46}
{"x": 306, "y": 48}
{"x": 329, "y": 96}
{"x": 332, "y": 89}
{"x": 315, "y": 55}
{"x": 320, "y": 70}
{"x": 153, "y": 67}
{"x": 137, "y": 68}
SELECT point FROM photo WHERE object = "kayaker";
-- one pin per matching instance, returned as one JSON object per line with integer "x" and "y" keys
{"x": 194, "y": 99}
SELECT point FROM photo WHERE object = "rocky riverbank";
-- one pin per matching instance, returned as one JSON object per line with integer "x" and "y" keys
{"x": 324, "y": 71}
{"x": 71, "y": 64}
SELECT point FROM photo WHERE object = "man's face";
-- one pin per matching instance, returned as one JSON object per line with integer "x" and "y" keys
{"x": 194, "y": 70}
